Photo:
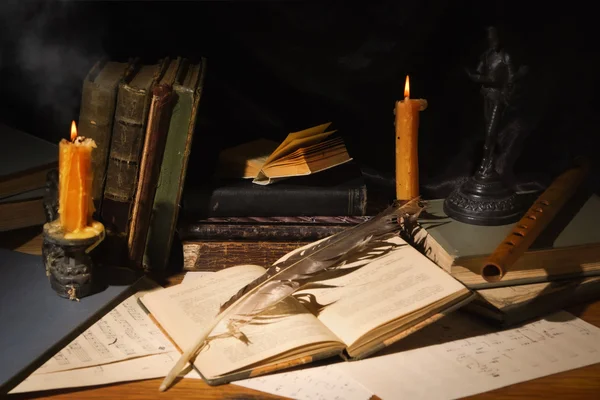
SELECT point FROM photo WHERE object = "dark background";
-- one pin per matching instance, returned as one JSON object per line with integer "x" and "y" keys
{"x": 277, "y": 67}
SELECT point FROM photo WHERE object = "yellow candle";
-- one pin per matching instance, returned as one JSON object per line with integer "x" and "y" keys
{"x": 75, "y": 207}
{"x": 407, "y": 130}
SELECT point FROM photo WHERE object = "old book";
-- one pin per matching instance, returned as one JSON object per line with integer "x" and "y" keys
{"x": 569, "y": 246}
{"x": 152, "y": 155}
{"x": 395, "y": 293}
{"x": 216, "y": 243}
{"x": 16, "y": 214}
{"x": 98, "y": 100}
{"x": 301, "y": 153}
{"x": 512, "y": 305}
{"x": 131, "y": 114}
{"x": 339, "y": 191}
{"x": 25, "y": 161}
{"x": 165, "y": 210}
{"x": 217, "y": 255}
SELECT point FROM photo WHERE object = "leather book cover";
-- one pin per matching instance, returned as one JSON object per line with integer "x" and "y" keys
{"x": 310, "y": 229}
{"x": 98, "y": 101}
{"x": 131, "y": 114}
{"x": 339, "y": 191}
{"x": 158, "y": 123}
{"x": 188, "y": 92}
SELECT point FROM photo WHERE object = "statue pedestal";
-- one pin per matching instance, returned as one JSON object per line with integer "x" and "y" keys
{"x": 484, "y": 200}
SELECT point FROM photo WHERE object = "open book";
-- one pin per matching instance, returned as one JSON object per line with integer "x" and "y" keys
{"x": 301, "y": 153}
{"x": 360, "y": 311}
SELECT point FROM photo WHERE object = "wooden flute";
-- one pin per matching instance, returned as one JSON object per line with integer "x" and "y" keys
{"x": 535, "y": 220}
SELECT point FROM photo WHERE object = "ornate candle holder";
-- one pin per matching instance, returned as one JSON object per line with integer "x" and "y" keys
{"x": 68, "y": 258}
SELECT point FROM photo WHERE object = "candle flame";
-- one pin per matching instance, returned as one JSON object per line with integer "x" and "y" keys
{"x": 73, "y": 131}
{"x": 407, "y": 88}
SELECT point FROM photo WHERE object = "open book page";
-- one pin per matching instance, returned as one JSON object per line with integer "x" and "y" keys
{"x": 315, "y": 130}
{"x": 184, "y": 309}
{"x": 397, "y": 284}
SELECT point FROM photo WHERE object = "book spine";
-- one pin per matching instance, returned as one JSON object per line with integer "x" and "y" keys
{"x": 95, "y": 122}
{"x": 152, "y": 154}
{"x": 122, "y": 171}
{"x": 173, "y": 169}
{"x": 265, "y": 229}
{"x": 214, "y": 256}
{"x": 263, "y": 202}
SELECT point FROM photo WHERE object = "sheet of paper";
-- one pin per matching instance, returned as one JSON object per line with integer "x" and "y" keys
{"x": 155, "y": 366}
{"x": 317, "y": 383}
{"x": 464, "y": 364}
{"x": 125, "y": 332}
{"x": 193, "y": 275}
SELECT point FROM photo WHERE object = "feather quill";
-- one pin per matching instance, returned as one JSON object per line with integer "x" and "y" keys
{"x": 284, "y": 278}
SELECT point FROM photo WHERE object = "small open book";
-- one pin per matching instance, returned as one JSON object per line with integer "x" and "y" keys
{"x": 301, "y": 153}
{"x": 356, "y": 313}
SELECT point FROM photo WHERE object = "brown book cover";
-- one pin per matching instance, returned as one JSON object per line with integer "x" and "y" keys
{"x": 131, "y": 114}
{"x": 152, "y": 154}
{"x": 98, "y": 100}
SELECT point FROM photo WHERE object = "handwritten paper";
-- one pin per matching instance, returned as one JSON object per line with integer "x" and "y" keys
{"x": 154, "y": 366}
{"x": 125, "y": 334}
{"x": 316, "y": 383}
{"x": 454, "y": 363}
{"x": 192, "y": 275}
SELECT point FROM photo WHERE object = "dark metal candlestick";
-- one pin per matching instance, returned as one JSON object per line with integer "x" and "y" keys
{"x": 484, "y": 199}
{"x": 69, "y": 261}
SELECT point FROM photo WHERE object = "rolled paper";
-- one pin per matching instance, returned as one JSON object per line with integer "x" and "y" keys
{"x": 535, "y": 220}
{"x": 407, "y": 133}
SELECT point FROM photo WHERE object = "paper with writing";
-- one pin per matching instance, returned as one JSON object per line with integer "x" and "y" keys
{"x": 412, "y": 284}
{"x": 317, "y": 383}
{"x": 154, "y": 366}
{"x": 184, "y": 309}
{"x": 464, "y": 364}
{"x": 193, "y": 275}
{"x": 125, "y": 332}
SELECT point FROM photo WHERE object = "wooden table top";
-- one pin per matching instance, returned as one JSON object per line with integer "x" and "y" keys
{"x": 581, "y": 383}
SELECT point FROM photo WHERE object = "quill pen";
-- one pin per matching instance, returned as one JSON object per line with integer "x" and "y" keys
{"x": 284, "y": 278}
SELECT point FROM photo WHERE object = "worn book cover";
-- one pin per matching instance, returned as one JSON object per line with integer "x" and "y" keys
{"x": 96, "y": 117}
{"x": 512, "y": 305}
{"x": 159, "y": 116}
{"x": 569, "y": 247}
{"x": 165, "y": 209}
{"x": 131, "y": 115}
{"x": 339, "y": 191}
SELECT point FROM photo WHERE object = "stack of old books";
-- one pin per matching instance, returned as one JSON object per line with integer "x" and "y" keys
{"x": 24, "y": 163}
{"x": 142, "y": 118}
{"x": 561, "y": 268}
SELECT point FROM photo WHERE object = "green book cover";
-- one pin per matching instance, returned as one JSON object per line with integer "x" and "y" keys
{"x": 188, "y": 90}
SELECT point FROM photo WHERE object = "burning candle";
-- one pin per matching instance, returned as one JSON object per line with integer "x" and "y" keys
{"x": 407, "y": 129}
{"x": 75, "y": 205}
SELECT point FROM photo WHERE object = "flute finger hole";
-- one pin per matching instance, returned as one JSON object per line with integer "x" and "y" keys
{"x": 509, "y": 243}
{"x": 532, "y": 217}
{"x": 545, "y": 202}
{"x": 539, "y": 209}
{"x": 519, "y": 234}
{"x": 522, "y": 226}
